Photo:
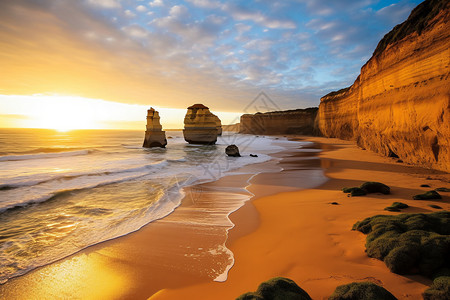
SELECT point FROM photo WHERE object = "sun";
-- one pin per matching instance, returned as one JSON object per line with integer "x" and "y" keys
{"x": 64, "y": 114}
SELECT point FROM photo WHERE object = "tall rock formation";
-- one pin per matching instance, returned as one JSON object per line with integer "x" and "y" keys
{"x": 154, "y": 136}
{"x": 399, "y": 106}
{"x": 299, "y": 121}
{"x": 200, "y": 125}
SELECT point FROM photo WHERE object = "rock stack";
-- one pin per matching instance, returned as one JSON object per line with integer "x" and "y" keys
{"x": 154, "y": 136}
{"x": 200, "y": 125}
{"x": 218, "y": 125}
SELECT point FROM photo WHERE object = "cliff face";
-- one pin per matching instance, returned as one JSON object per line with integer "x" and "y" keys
{"x": 300, "y": 121}
{"x": 400, "y": 103}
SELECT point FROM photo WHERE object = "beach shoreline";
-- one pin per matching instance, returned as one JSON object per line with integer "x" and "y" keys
{"x": 302, "y": 236}
{"x": 263, "y": 238}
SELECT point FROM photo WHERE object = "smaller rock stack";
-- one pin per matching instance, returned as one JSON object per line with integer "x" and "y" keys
{"x": 154, "y": 136}
{"x": 200, "y": 125}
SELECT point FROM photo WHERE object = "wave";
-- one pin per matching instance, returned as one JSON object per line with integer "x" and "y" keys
{"x": 33, "y": 182}
{"x": 45, "y": 155}
{"x": 76, "y": 183}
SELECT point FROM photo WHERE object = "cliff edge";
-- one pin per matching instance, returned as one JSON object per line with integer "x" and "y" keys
{"x": 399, "y": 105}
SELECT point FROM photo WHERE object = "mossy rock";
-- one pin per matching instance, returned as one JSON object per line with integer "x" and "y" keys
{"x": 368, "y": 188}
{"x": 440, "y": 289}
{"x": 278, "y": 288}
{"x": 409, "y": 243}
{"x": 375, "y": 187}
{"x": 428, "y": 196}
{"x": 435, "y": 206}
{"x": 396, "y": 206}
{"x": 354, "y": 191}
{"x": 442, "y": 189}
{"x": 361, "y": 291}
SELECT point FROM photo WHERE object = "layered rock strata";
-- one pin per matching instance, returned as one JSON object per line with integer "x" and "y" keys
{"x": 200, "y": 125}
{"x": 154, "y": 136}
{"x": 299, "y": 121}
{"x": 399, "y": 106}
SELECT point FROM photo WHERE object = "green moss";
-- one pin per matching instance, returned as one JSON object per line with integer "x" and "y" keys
{"x": 417, "y": 21}
{"x": 442, "y": 189}
{"x": 440, "y": 289}
{"x": 375, "y": 187}
{"x": 396, "y": 206}
{"x": 409, "y": 243}
{"x": 428, "y": 196}
{"x": 361, "y": 291}
{"x": 278, "y": 288}
{"x": 435, "y": 206}
{"x": 367, "y": 188}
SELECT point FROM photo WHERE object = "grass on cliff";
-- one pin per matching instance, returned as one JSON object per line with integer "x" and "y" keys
{"x": 417, "y": 21}
{"x": 409, "y": 243}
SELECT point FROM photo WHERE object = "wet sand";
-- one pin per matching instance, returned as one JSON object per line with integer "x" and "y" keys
{"x": 288, "y": 229}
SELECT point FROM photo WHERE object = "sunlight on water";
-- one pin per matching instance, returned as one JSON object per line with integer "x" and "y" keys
{"x": 63, "y": 191}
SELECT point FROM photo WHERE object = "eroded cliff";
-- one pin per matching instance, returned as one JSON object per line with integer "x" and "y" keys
{"x": 299, "y": 121}
{"x": 400, "y": 103}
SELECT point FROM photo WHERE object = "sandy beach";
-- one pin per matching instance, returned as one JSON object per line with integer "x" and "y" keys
{"x": 289, "y": 228}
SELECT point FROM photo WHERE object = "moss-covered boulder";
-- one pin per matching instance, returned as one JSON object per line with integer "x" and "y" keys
{"x": 442, "y": 189}
{"x": 354, "y": 191}
{"x": 361, "y": 291}
{"x": 409, "y": 243}
{"x": 396, "y": 206}
{"x": 368, "y": 188}
{"x": 440, "y": 289}
{"x": 375, "y": 187}
{"x": 428, "y": 196}
{"x": 278, "y": 288}
{"x": 435, "y": 206}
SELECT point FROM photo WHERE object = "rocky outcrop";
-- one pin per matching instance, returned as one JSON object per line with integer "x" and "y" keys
{"x": 218, "y": 125}
{"x": 200, "y": 125}
{"x": 232, "y": 150}
{"x": 299, "y": 121}
{"x": 399, "y": 106}
{"x": 154, "y": 136}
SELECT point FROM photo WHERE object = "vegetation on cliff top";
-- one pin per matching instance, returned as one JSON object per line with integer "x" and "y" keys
{"x": 417, "y": 21}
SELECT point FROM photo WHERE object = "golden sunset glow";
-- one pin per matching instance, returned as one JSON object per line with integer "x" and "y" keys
{"x": 65, "y": 113}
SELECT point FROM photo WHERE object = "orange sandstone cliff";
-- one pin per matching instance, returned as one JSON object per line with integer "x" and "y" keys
{"x": 399, "y": 105}
{"x": 299, "y": 121}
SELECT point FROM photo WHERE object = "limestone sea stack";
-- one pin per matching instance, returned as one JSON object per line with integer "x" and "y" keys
{"x": 200, "y": 125}
{"x": 154, "y": 136}
{"x": 218, "y": 125}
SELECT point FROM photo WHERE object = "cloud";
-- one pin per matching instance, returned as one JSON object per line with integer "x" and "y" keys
{"x": 129, "y": 14}
{"x": 105, "y": 3}
{"x": 241, "y": 13}
{"x": 135, "y": 31}
{"x": 156, "y": 3}
{"x": 141, "y": 8}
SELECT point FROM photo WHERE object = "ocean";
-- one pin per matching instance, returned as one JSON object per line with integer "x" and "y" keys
{"x": 61, "y": 192}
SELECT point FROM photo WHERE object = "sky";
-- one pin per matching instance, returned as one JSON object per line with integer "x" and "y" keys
{"x": 107, "y": 61}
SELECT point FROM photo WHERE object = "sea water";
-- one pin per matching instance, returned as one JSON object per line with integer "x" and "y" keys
{"x": 63, "y": 191}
